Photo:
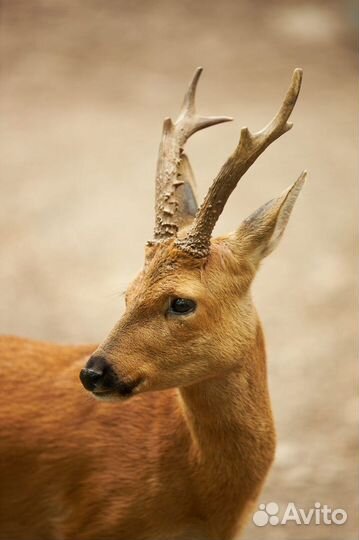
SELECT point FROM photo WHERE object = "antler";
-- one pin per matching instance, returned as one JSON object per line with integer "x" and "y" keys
{"x": 171, "y": 156}
{"x": 250, "y": 146}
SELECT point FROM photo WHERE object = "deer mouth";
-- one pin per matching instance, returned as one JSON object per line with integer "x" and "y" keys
{"x": 121, "y": 390}
{"x": 107, "y": 395}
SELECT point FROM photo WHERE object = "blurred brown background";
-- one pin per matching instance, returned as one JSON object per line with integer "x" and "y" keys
{"x": 84, "y": 88}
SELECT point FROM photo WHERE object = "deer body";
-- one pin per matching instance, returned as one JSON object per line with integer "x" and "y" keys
{"x": 184, "y": 451}
{"x": 192, "y": 472}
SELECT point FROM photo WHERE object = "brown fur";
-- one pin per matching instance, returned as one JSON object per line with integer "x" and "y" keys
{"x": 184, "y": 463}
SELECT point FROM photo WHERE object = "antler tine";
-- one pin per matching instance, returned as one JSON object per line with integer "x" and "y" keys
{"x": 250, "y": 146}
{"x": 279, "y": 122}
{"x": 174, "y": 137}
{"x": 188, "y": 105}
{"x": 188, "y": 117}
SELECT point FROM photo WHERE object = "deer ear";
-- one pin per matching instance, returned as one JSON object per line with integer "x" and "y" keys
{"x": 260, "y": 233}
{"x": 186, "y": 193}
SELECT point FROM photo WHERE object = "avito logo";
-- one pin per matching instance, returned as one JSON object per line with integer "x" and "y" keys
{"x": 268, "y": 514}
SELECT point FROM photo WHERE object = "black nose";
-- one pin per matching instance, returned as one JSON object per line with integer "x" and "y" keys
{"x": 97, "y": 375}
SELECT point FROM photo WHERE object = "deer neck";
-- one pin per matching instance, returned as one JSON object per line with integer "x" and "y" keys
{"x": 231, "y": 424}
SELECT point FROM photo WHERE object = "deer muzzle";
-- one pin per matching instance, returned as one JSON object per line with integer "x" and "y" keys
{"x": 99, "y": 378}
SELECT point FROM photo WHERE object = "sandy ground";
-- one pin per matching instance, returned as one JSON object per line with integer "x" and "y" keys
{"x": 84, "y": 88}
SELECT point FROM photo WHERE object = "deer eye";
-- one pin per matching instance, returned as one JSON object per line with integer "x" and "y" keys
{"x": 181, "y": 306}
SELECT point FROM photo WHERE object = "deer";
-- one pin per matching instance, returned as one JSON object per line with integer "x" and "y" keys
{"x": 179, "y": 439}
